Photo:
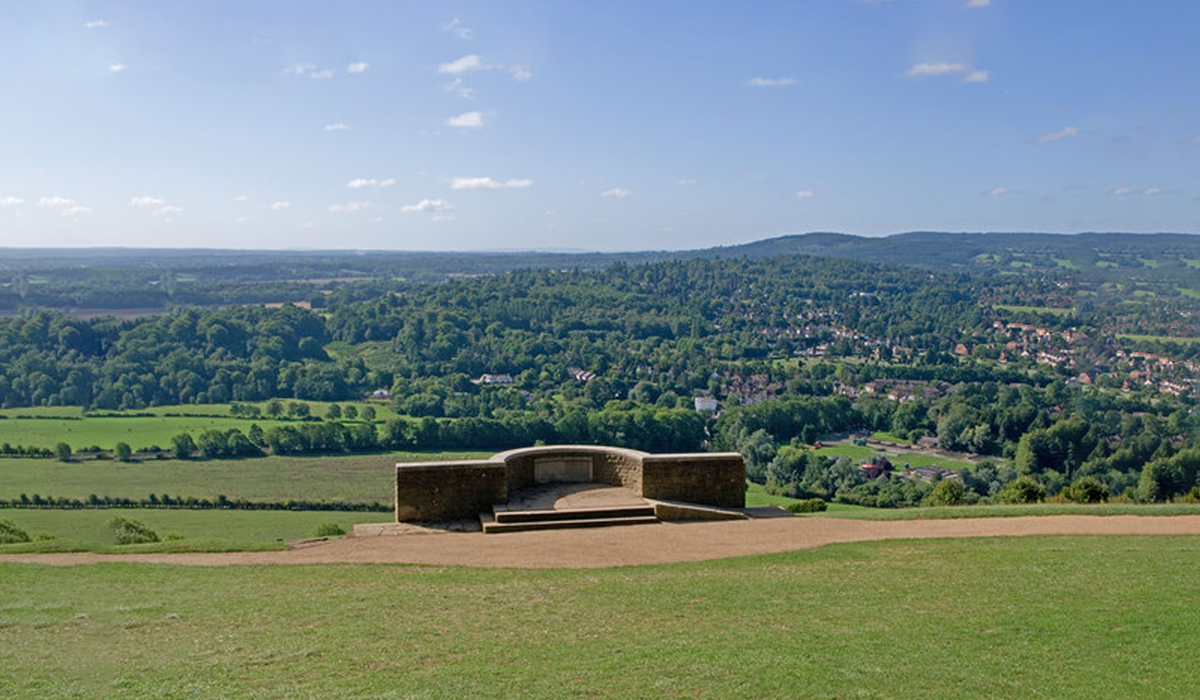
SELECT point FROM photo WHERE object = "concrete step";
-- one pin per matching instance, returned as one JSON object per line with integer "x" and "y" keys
{"x": 599, "y": 513}
{"x": 490, "y": 526}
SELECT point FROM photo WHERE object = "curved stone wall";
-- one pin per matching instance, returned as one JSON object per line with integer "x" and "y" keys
{"x": 463, "y": 489}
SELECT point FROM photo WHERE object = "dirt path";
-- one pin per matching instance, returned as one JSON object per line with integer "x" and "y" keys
{"x": 643, "y": 544}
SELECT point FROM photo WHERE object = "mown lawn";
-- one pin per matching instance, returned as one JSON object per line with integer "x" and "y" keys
{"x": 352, "y": 478}
{"x": 1049, "y": 617}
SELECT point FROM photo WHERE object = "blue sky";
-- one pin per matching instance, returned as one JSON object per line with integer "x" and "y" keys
{"x": 605, "y": 126}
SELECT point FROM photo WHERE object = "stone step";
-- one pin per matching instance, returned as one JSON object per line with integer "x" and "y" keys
{"x": 490, "y": 526}
{"x": 598, "y": 513}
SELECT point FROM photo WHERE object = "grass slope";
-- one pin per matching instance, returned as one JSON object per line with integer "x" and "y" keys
{"x": 1058, "y": 617}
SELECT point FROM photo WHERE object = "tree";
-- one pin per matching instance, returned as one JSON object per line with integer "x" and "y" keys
{"x": 1086, "y": 489}
{"x": 368, "y": 413}
{"x": 274, "y": 408}
{"x": 62, "y": 452}
{"x": 350, "y": 412}
{"x": 123, "y": 452}
{"x": 1024, "y": 489}
{"x": 182, "y": 445}
{"x": 948, "y": 492}
{"x": 334, "y": 412}
{"x": 298, "y": 409}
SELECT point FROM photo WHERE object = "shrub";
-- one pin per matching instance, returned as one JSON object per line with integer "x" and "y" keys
{"x": 131, "y": 531}
{"x": 123, "y": 452}
{"x": 62, "y": 451}
{"x": 1086, "y": 490}
{"x": 811, "y": 505}
{"x": 10, "y": 533}
{"x": 328, "y": 530}
{"x": 948, "y": 492}
{"x": 1024, "y": 489}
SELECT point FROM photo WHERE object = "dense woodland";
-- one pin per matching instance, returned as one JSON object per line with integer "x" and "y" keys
{"x": 790, "y": 345}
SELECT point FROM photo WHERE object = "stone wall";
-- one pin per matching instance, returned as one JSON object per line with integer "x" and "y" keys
{"x": 458, "y": 490}
{"x": 714, "y": 479}
{"x": 448, "y": 490}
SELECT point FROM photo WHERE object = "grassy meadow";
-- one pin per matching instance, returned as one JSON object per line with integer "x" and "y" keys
{"x": 199, "y": 530}
{"x": 1053, "y": 617}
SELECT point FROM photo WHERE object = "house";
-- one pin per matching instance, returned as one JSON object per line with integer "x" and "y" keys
{"x": 381, "y": 394}
{"x": 705, "y": 403}
{"x": 878, "y": 466}
{"x": 494, "y": 379}
{"x": 927, "y": 443}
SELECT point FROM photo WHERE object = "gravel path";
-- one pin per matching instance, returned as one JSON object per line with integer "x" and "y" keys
{"x": 642, "y": 544}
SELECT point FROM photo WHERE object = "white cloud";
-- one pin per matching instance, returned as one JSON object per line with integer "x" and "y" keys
{"x": 467, "y": 120}
{"x": 770, "y": 82}
{"x": 687, "y": 182}
{"x": 804, "y": 194}
{"x": 299, "y": 69}
{"x": 357, "y": 68}
{"x": 118, "y": 68}
{"x": 933, "y": 70}
{"x": 325, "y": 74}
{"x": 240, "y": 198}
{"x": 618, "y": 192}
{"x": 146, "y": 202}
{"x": 1151, "y": 191}
{"x": 1057, "y": 135}
{"x": 455, "y": 27}
{"x": 520, "y": 73}
{"x": 458, "y": 87}
{"x": 1120, "y": 192}
{"x": 996, "y": 192}
{"x": 95, "y": 24}
{"x": 977, "y": 3}
{"x": 278, "y": 206}
{"x": 370, "y": 182}
{"x": 487, "y": 183}
{"x": 337, "y": 126}
{"x": 55, "y": 201}
{"x": 428, "y": 206}
{"x": 463, "y": 65}
{"x": 349, "y": 207}
{"x": 11, "y": 201}
{"x": 166, "y": 210}
{"x": 977, "y": 76}
{"x": 75, "y": 210}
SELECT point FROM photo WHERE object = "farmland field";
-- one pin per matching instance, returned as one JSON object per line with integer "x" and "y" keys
{"x": 1062, "y": 617}
{"x": 350, "y": 478}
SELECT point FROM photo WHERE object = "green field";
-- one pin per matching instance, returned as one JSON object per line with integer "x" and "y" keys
{"x": 201, "y": 530}
{"x": 351, "y": 478}
{"x": 1051, "y": 617}
{"x": 68, "y": 424}
{"x": 913, "y": 459}
{"x": 1049, "y": 310}
{"x": 1159, "y": 338}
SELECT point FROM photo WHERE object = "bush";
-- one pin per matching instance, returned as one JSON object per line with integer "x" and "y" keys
{"x": 10, "y": 533}
{"x": 812, "y": 505}
{"x": 62, "y": 451}
{"x": 1024, "y": 489}
{"x": 1086, "y": 490}
{"x": 131, "y": 531}
{"x": 123, "y": 452}
{"x": 328, "y": 530}
{"x": 948, "y": 492}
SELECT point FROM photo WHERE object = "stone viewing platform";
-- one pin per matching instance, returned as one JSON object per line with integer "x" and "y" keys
{"x": 567, "y": 486}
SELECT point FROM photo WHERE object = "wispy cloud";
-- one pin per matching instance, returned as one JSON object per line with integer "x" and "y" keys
{"x": 357, "y": 68}
{"x": 55, "y": 201}
{"x": 487, "y": 183}
{"x": 770, "y": 82}
{"x": 166, "y": 211}
{"x": 458, "y": 87}
{"x": 278, "y": 206}
{"x": 310, "y": 70}
{"x": 466, "y": 120}
{"x": 337, "y": 126}
{"x": 325, "y": 74}
{"x": 145, "y": 202}
{"x": 118, "y": 68}
{"x": 804, "y": 194}
{"x": 11, "y": 201}
{"x": 977, "y": 76}
{"x": 977, "y": 3}
{"x": 933, "y": 70}
{"x": 618, "y": 192}
{"x": 687, "y": 182}
{"x": 996, "y": 192}
{"x": 349, "y": 207}
{"x": 462, "y": 65}
{"x": 95, "y": 24}
{"x": 520, "y": 73}
{"x": 75, "y": 211}
{"x": 426, "y": 206}
{"x": 359, "y": 182}
{"x": 1120, "y": 192}
{"x": 456, "y": 27}
{"x": 1064, "y": 133}
{"x": 1151, "y": 191}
